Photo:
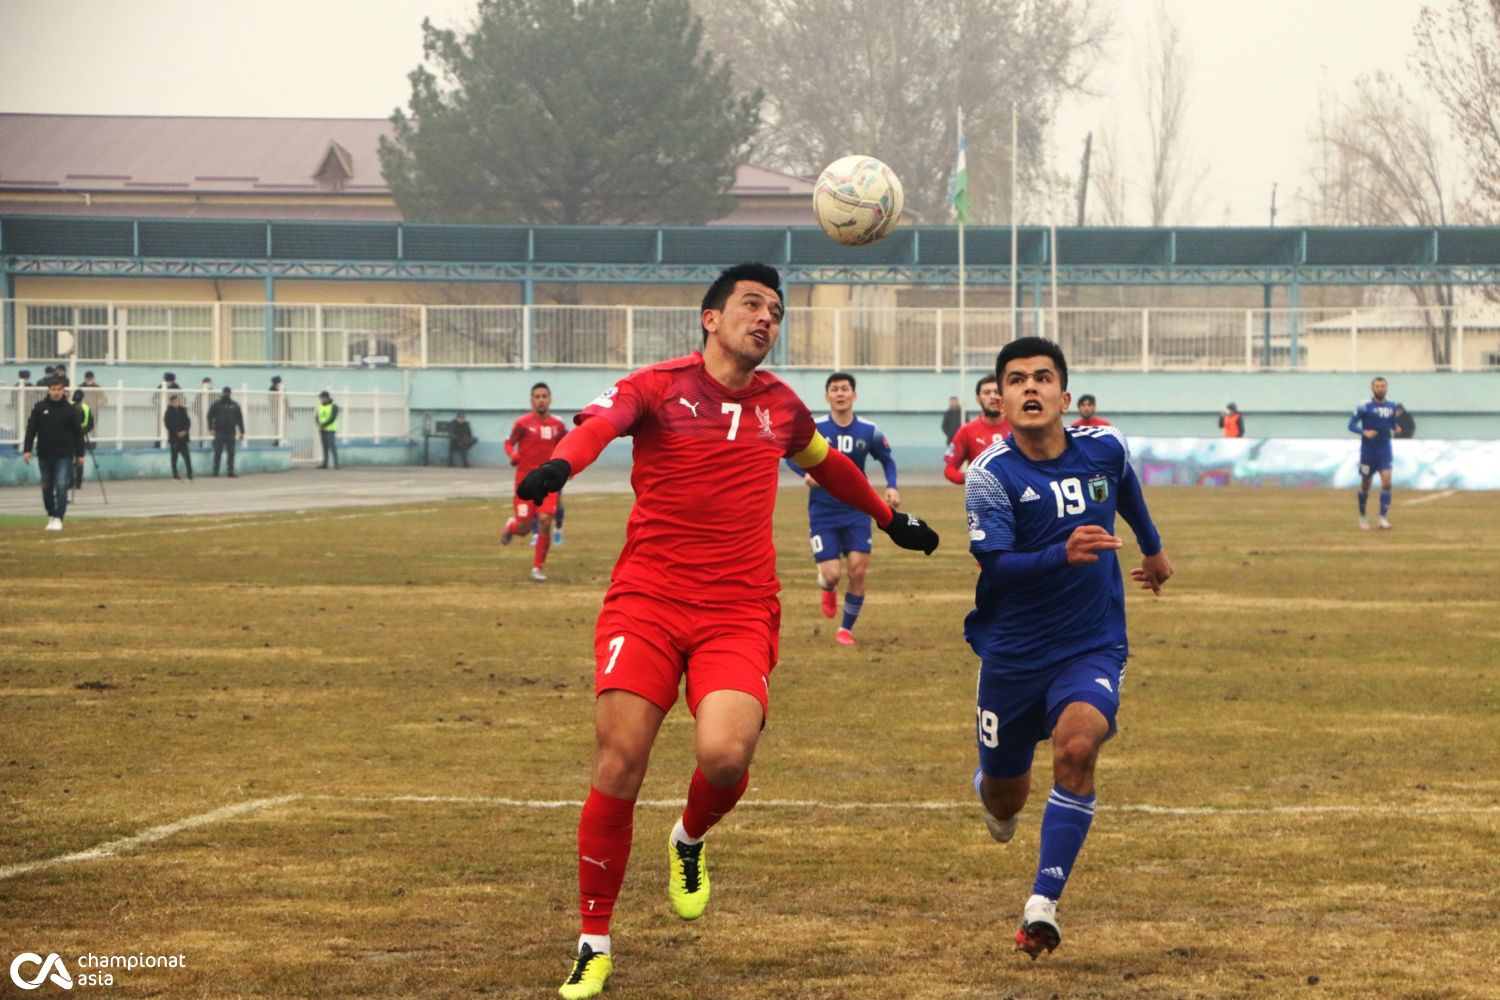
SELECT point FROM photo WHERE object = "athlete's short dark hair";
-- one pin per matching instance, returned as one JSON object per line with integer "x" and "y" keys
{"x": 541, "y": 385}
{"x": 1087, "y": 397}
{"x": 839, "y": 377}
{"x": 718, "y": 293}
{"x": 1032, "y": 347}
{"x": 983, "y": 381}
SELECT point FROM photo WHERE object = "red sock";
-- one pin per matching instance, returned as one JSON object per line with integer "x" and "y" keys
{"x": 707, "y": 804}
{"x": 510, "y": 525}
{"x": 604, "y": 831}
{"x": 543, "y": 543}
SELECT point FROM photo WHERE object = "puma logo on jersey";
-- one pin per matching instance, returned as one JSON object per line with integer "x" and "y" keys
{"x": 691, "y": 406}
{"x": 1030, "y": 495}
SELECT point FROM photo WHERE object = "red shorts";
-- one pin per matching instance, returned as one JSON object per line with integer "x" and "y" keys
{"x": 527, "y": 509}
{"x": 644, "y": 644}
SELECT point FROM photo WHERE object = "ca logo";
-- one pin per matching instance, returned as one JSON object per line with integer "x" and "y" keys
{"x": 53, "y": 964}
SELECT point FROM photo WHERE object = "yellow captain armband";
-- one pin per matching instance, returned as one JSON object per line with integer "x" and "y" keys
{"x": 813, "y": 454}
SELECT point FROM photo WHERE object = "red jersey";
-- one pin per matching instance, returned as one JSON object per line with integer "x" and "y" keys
{"x": 706, "y": 468}
{"x": 972, "y": 438}
{"x": 531, "y": 440}
{"x": 1090, "y": 422}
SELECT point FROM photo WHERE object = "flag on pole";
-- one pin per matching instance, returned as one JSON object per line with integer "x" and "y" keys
{"x": 958, "y": 184}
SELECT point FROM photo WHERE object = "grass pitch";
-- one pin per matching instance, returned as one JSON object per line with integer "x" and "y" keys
{"x": 1304, "y": 799}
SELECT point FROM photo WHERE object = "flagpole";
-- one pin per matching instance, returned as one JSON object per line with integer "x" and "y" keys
{"x": 1015, "y": 306}
{"x": 963, "y": 333}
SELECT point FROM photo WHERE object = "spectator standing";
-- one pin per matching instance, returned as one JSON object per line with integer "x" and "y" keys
{"x": 167, "y": 386}
{"x": 179, "y": 434}
{"x": 1233, "y": 421}
{"x": 278, "y": 410}
{"x": 225, "y": 420}
{"x": 953, "y": 419}
{"x": 87, "y": 421}
{"x": 460, "y": 439}
{"x": 54, "y": 430}
{"x": 328, "y": 428}
{"x": 94, "y": 393}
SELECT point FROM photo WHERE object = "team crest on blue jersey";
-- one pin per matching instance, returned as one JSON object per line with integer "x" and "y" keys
{"x": 1099, "y": 489}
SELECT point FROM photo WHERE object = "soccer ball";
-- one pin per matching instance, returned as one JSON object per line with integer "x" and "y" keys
{"x": 857, "y": 200}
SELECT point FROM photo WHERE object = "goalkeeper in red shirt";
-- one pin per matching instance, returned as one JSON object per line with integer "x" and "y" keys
{"x": 710, "y": 434}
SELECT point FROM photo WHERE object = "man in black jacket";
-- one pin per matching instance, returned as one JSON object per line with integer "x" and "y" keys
{"x": 179, "y": 426}
{"x": 55, "y": 429}
{"x": 224, "y": 419}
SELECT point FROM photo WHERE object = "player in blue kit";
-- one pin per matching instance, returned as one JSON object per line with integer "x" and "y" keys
{"x": 1375, "y": 420}
{"x": 1048, "y": 622}
{"x": 835, "y": 529}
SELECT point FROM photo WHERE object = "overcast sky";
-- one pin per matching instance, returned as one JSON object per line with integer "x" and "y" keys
{"x": 1257, "y": 67}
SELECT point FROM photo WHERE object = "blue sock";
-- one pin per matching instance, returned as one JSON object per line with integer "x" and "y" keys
{"x": 1385, "y": 501}
{"x": 1364, "y": 498}
{"x": 852, "y": 604}
{"x": 1065, "y": 824}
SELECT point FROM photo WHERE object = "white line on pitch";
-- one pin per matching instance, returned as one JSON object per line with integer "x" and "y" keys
{"x": 1373, "y": 810}
{"x": 270, "y": 518}
{"x": 125, "y": 844}
{"x": 1429, "y": 498}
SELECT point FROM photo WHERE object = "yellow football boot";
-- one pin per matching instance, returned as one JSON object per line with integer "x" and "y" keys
{"x": 687, "y": 878}
{"x": 590, "y": 972}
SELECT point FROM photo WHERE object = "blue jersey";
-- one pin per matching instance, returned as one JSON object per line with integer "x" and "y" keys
{"x": 860, "y": 440}
{"x": 1058, "y": 612}
{"x": 1378, "y": 416}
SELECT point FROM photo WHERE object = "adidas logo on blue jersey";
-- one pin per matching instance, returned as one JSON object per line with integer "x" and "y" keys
{"x": 1104, "y": 683}
{"x": 1030, "y": 495}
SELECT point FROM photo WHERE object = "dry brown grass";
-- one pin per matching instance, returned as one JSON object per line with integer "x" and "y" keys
{"x": 1315, "y": 709}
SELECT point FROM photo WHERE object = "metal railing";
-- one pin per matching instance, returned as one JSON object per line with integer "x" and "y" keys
{"x": 132, "y": 418}
{"x": 325, "y": 335}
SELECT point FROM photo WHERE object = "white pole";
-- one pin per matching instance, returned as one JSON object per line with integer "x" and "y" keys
{"x": 1052, "y": 252}
{"x": 1015, "y": 305}
{"x": 963, "y": 328}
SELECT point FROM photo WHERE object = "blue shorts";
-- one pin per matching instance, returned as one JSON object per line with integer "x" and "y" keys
{"x": 831, "y": 539}
{"x": 1374, "y": 458}
{"x": 1014, "y": 712}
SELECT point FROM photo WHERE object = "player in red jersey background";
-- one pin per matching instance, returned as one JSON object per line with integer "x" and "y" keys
{"x": 693, "y": 593}
{"x": 531, "y": 442}
{"x": 978, "y": 434}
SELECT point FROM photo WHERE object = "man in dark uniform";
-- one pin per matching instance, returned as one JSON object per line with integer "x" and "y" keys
{"x": 54, "y": 429}
{"x": 179, "y": 434}
{"x": 88, "y": 421}
{"x": 224, "y": 420}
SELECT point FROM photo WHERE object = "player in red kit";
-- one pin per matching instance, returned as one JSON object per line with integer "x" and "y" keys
{"x": 693, "y": 593}
{"x": 978, "y": 434}
{"x": 531, "y": 442}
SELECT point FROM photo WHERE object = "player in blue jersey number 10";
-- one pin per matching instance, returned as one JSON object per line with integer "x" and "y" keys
{"x": 1048, "y": 622}
{"x": 1375, "y": 421}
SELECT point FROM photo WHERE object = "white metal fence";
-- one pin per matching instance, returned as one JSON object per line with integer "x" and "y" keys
{"x": 1152, "y": 339}
{"x": 132, "y": 418}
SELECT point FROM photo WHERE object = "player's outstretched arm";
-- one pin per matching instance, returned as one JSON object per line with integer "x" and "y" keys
{"x": 1155, "y": 568}
{"x": 842, "y": 478}
{"x": 574, "y": 453}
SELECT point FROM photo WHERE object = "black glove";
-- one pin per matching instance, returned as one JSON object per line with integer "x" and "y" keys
{"x": 910, "y": 532}
{"x": 549, "y": 477}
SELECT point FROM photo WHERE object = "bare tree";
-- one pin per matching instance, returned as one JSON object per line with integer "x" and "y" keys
{"x": 1381, "y": 164}
{"x": 1172, "y": 191}
{"x": 1109, "y": 179}
{"x": 883, "y": 77}
{"x": 1458, "y": 54}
